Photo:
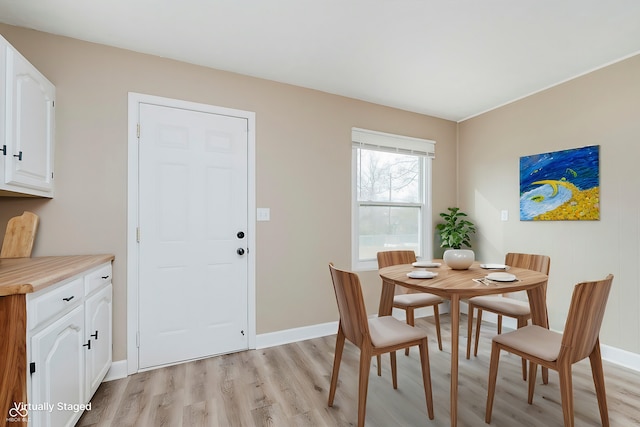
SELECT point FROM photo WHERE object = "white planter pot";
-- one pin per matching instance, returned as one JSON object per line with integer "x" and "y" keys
{"x": 459, "y": 259}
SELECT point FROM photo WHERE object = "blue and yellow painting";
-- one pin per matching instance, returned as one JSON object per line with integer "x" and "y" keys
{"x": 562, "y": 185}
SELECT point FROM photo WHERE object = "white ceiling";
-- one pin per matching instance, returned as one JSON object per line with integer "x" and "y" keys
{"x": 447, "y": 58}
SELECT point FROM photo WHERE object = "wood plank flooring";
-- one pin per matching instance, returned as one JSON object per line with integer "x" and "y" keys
{"x": 288, "y": 386}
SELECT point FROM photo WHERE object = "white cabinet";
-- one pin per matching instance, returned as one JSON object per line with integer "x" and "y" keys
{"x": 98, "y": 335}
{"x": 69, "y": 343}
{"x": 57, "y": 355}
{"x": 28, "y": 123}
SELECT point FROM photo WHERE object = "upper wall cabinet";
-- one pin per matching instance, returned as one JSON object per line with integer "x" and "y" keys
{"x": 27, "y": 126}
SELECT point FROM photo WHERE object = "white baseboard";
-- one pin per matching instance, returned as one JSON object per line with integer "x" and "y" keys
{"x": 621, "y": 357}
{"x": 614, "y": 355}
{"x": 611, "y": 354}
{"x": 117, "y": 371}
{"x": 287, "y": 336}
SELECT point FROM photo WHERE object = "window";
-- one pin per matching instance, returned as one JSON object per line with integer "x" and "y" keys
{"x": 391, "y": 195}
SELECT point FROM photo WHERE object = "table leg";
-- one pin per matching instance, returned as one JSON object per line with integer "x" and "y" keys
{"x": 455, "y": 327}
{"x": 386, "y": 299}
{"x": 385, "y": 309}
{"x": 539, "y": 314}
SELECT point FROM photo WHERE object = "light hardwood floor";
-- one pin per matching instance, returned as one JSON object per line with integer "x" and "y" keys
{"x": 288, "y": 386}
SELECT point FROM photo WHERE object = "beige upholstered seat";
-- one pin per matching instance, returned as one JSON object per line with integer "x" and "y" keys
{"x": 505, "y": 305}
{"x": 373, "y": 337}
{"x": 560, "y": 351}
{"x": 508, "y": 306}
{"x": 536, "y": 341}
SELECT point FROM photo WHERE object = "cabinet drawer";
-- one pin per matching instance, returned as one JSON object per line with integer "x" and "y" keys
{"x": 97, "y": 278}
{"x": 52, "y": 303}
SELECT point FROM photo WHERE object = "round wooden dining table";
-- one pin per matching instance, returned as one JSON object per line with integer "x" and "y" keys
{"x": 455, "y": 285}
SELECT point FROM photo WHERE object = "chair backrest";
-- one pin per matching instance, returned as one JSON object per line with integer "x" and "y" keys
{"x": 19, "y": 236}
{"x": 534, "y": 262}
{"x": 388, "y": 258}
{"x": 585, "y": 316}
{"x": 353, "y": 313}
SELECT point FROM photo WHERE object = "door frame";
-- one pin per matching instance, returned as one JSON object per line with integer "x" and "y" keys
{"x": 133, "y": 214}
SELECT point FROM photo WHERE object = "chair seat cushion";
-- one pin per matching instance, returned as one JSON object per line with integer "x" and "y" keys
{"x": 507, "y": 306}
{"x": 415, "y": 300}
{"x": 534, "y": 340}
{"x": 387, "y": 331}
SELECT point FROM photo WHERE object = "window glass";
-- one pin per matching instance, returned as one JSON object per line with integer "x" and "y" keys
{"x": 388, "y": 177}
{"x": 385, "y": 228}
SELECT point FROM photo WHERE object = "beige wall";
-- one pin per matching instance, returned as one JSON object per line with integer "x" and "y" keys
{"x": 601, "y": 108}
{"x": 302, "y": 169}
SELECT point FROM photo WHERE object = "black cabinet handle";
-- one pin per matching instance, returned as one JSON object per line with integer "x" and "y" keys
{"x": 19, "y": 155}
{"x": 88, "y": 345}
{"x": 67, "y": 299}
{"x": 95, "y": 335}
{"x": 105, "y": 277}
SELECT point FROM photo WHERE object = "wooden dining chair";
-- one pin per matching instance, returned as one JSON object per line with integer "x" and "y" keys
{"x": 560, "y": 351}
{"x": 410, "y": 300}
{"x": 373, "y": 337}
{"x": 20, "y": 236}
{"x": 504, "y": 305}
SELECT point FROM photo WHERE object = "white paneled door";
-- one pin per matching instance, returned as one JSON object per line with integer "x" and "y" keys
{"x": 192, "y": 234}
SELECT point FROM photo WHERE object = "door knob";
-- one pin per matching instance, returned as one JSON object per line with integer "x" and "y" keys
{"x": 240, "y": 251}
{"x": 240, "y": 234}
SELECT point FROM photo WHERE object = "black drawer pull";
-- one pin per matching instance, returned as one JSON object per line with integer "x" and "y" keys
{"x": 67, "y": 299}
{"x": 105, "y": 277}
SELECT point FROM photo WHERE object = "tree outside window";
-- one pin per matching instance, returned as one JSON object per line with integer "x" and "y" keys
{"x": 390, "y": 201}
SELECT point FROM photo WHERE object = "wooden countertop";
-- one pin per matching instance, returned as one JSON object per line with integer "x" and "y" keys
{"x": 26, "y": 275}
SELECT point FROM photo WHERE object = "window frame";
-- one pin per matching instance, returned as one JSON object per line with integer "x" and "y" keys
{"x": 379, "y": 141}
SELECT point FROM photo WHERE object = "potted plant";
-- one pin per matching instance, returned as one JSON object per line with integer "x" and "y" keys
{"x": 455, "y": 233}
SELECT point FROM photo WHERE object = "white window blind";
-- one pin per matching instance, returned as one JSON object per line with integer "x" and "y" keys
{"x": 380, "y": 141}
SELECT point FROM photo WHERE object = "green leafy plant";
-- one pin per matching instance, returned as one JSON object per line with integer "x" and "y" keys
{"x": 456, "y": 230}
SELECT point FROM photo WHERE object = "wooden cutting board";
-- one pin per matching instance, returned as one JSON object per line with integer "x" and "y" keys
{"x": 20, "y": 235}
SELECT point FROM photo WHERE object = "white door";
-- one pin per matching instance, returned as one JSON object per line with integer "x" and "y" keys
{"x": 193, "y": 263}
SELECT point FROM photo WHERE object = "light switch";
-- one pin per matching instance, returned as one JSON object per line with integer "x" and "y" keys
{"x": 263, "y": 214}
{"x": 504, "y": 215}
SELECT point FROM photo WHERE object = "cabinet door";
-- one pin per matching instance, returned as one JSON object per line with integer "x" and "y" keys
{"x": 30, "y": 126}
{"x": 98, "y": 320}
{"x": 57, "y": 384}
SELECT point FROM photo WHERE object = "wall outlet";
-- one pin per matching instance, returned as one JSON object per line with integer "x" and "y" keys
{"x": 263, "y": 214}
{"x": 504, "y": 215}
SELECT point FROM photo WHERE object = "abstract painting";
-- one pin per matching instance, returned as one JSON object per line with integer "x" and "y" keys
{"x": 561, "y": 185}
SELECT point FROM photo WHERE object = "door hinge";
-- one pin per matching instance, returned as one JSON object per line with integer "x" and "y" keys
{"x": 138, "y": 130}
{"x": 32, "y": 368}
{"x": 138, "y": 234}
